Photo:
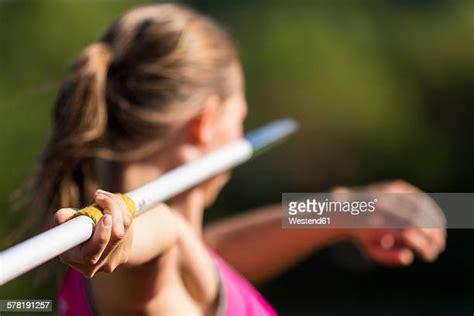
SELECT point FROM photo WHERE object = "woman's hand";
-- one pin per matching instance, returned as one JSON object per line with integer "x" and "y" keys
{"x": 109, "y": 246}
{"x": 398, "y": 247}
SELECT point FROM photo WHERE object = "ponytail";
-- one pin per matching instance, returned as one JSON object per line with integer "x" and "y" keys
{"x": 64, "y": 175}
{"x": 122, "y": 107}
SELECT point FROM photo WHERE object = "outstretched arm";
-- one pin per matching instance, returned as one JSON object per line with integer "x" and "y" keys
{"x": 259, "y": 248}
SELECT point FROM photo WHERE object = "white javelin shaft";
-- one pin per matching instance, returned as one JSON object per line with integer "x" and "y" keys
{"x": 187, "y": 176}
{"x": 35, "y": 251}
{"x": 43, "y": 247}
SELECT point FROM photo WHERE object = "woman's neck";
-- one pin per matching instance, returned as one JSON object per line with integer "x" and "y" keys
{"x": 126, "y": 177}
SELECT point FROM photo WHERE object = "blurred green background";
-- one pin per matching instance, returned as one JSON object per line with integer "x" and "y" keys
{"x": 382, "y": 89}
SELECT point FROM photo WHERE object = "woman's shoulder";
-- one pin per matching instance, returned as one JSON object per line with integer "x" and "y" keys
{"x": 237, "y": 295}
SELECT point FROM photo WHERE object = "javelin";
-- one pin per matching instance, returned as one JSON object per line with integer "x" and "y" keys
{"x": 35, "y": 251}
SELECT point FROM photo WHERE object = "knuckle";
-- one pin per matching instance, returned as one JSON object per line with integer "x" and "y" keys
{"x": 440, "y": 218}
{"x": 406, "y": 234}
{"x": 118, "y": 234}
{"x": 400, "y": 183}
{"x": 125, "y": 258}
{"x": 399, "y": 186}
{"x": 430, "y": 255}
{"x": 340, "y": 189}
{"x": 415, "y": 220}
{"x": 89, "y": 274}
{"x": 115, "y": 198}
{"x": 90, "y": 259}
{"x": 108, "y": 267}
{"x": 127, "y": 221}
{"x": 126, "y": 224}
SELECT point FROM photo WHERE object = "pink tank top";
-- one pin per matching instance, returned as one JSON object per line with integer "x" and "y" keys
{"x": 237, "y": 297}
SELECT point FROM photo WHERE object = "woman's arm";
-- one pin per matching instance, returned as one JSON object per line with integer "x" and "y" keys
{"x": 257, "y": 246}
{"x": 119, "y": 240}
{"x": 155, "y": 251}
{"x": 158, "y": 231}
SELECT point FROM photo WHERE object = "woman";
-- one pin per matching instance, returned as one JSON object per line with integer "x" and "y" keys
{"x": 162, "y": 87}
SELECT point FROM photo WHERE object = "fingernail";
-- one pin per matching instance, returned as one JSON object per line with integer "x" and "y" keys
{"x": 107, "y": 220}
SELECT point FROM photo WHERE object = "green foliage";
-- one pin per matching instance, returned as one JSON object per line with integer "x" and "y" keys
{"x": 383, "y": 89}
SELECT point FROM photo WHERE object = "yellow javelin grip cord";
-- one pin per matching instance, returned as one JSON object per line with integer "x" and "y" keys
{"x": 95, "y": 212}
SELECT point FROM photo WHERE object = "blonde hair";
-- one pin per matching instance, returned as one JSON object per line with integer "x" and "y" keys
{"x": 153, "y": 67}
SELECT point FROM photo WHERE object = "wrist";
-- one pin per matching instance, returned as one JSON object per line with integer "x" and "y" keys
{"x": 331, "y": 236}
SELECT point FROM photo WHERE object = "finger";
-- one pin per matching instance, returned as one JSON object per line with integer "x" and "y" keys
{"x": 75, "y": 256}
{"x": 442, "y": 235}
{"x": 417, "y": 240}
{"x": 72, "y": 257}
{"x": 92, "y": 250}
{"x": 387, "y": 241}
{"x": 62, "y": 216}
{"x": 87, "y": 271}
{"x": 438, "y": 238}
{"x": 80, "y": 268}
{"x": 397, "y": 186}
{"x": 127, "y": 217}
{"x": 397, "y": 257}
{"x": 433, "y": 237}
{"x": 340, "y": 189}
{"x": 109, "y": 205}
{"x": 110, "y": 265}
{"x": 84, "y": 270}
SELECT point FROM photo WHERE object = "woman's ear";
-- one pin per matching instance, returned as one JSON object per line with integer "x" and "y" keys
{"x": 202, "y": 126}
